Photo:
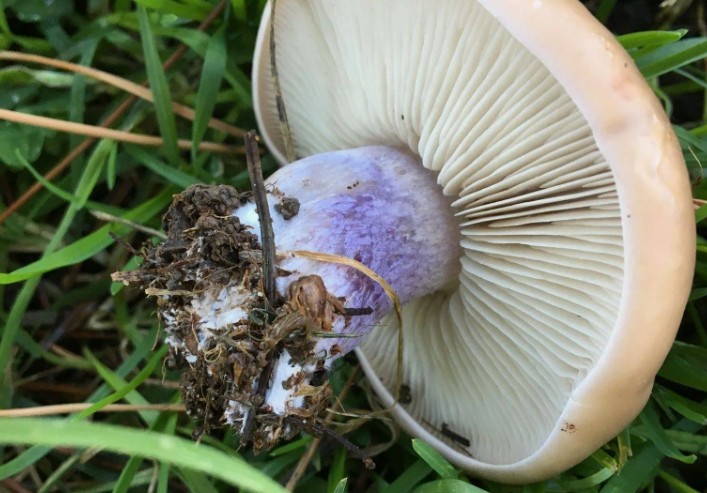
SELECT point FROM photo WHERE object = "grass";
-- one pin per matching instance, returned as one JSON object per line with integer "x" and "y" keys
{"x": 71, "y": 336}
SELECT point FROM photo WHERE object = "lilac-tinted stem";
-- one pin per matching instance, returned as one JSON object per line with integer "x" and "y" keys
{"x": 376, "y": 205}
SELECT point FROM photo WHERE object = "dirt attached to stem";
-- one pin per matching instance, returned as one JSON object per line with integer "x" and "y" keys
{"x": 224, "y": 335}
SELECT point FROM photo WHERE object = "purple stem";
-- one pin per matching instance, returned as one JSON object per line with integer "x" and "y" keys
{"x": 376, "y": 205}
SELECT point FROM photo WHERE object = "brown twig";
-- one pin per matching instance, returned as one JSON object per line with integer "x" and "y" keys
{"x": 109, "y": 120}
{"x": 267, "y": 245}
{"x": 267, "y": 236}
{"x": 104, "y": 216}
{"x": 100, "y": 132}
{"x": 249, "y": 418}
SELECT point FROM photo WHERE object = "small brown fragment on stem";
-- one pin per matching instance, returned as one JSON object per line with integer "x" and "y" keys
{"x": 288, "y": 207}
{"x": 309, "y": 296}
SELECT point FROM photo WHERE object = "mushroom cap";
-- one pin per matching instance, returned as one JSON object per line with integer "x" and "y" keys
{"x": 574, "y": 201}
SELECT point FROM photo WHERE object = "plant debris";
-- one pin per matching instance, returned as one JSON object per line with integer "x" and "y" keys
{"x": 223, "y": 333}
{"x": 288, "y": 207}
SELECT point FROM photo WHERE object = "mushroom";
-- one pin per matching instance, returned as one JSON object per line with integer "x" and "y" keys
{"x": 504, "y": 166}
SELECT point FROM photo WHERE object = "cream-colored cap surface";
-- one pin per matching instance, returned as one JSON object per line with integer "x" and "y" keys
{"x": 573, "y": 199}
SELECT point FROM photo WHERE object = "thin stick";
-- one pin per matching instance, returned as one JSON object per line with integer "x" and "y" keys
{"x": 104, "y": 216}
{"x": 118, "y": 82}
{"x": 109, "y": 120}
{"x": 267, "y": 236}
{"x": 107, "y": 133}
{"x": 80, "y": 406}
{"x": 267, "y": 245}
{"x": 304, "y": 461}
{"x": 279, "y": 101}
{"x": 263, "y": 380}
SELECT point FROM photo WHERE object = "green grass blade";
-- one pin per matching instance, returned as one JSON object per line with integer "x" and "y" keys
{"x": 165, "y": 448}
{"x": 449, "y": 486}
{"x": 700, "y": 215}
{"x": 32, "y": 455}
{"x": 14, "y": 319}
{"x": 127, "y": 476}
{"x": 342, "y": 486}
{"x": 654, "y": 430}
{"x": 675, "y": 484}
{"x": 111, "y": 167}
{"x": 193, "y": 10}
{"x": 164, "y": 423}
{"x": 686, "y": 364}
{"x": 196, "y": 481}
{"x": 169, "y": 173}
{"x": 239, "y": 9}
{"x": 697, "y": 82}
{"x": 141, "y": 479}
{"x": 24, "y": 340}
{"x": 77, "y": 98}
{"x": 409, "y": 478}
{"x": 125, "y": 387}
{"x": 672, "y": 56}
{"x": 637, "y": 472}
{"x": 56, "y": 475}
{"x": 604, "y": 10}
{"x": 4, "y": 26}
{"x": 300, "y": 443}
{"x": 23, "y": 461}
{"x": 655, "y": 39}
{"x": 90, "y": 245}
{"x": 160, "y": 89}
{"x": 689, "y": 442}
{"x": 434, "y": 459}
{"x": 62, "y": 194}
{"x": 209, "y": 83}
{"x": 337, "y": 471}
{"x": 163, "y": 478}
{"x": 165, "y": 469}
{"x": 587, "y": 482}
{"x": 195, "y": 40}
{"x": 92, "y": 172}
{"x": 605, "y": 460}
{"x": 694, "y": 411}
